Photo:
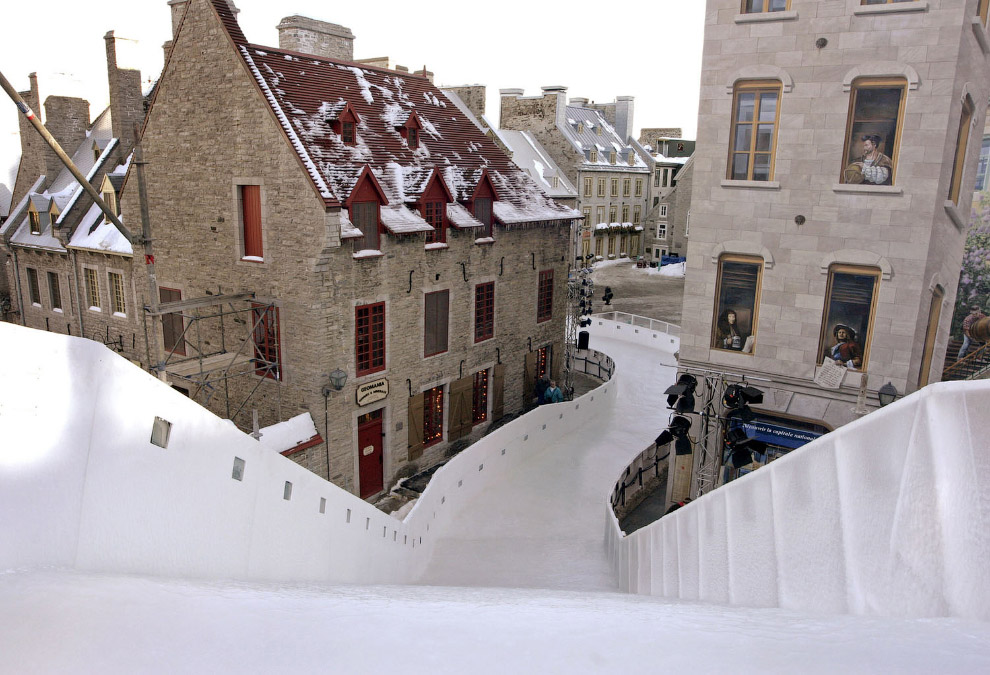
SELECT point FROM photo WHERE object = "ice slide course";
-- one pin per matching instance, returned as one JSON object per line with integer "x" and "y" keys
{"x": 888, "y": 515}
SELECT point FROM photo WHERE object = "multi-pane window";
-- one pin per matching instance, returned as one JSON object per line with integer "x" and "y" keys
{"x": 850, "y": 306}
{"x": 433, "y": 214}
{"x": 587, "y": 187}
{"x": 484, "y": 311}
{"x": 615, "y": 187}
{"x": 54, "y": 291}
{"x": 118, "y": 304}
{"x": 611, "y": 245}
{"x": 414, "y": 138}
{"x": 625, "y": 213}
{"x": 110, "y": 199}
{"x": 626, "y": 185}
{"x": 483, "y": 212}
{"x": 759, "y": 6}
{"x": 600, "y": 214}
{"x": 92, "y": 288}
{"x": 479, "y": 397}
{"x": 601, "y": 187}
{"x": 754, "y": 130}
{"x": 369, "y": 338}
{"x": 962, "y": 140}
{"x": 544, "y": 298}
{"x": 662, "y": 211}
{"x": 662, "y": 231}
{"x": 435, "y": 320}
{"x": 594, "y": 155}
{"x": 347, "y": 133}
{"x": 433, "y": 416}
{"x": 981, "y": 168}
{"x": 598, "y": 246}
{"x": 249, "y": 208}
{"x": 737, "y": 302}
{"x": 586, "y": 212}
{"x": 34, "y": 220}
{"x": 613, "y": 212}
{"x": 639, "y": 187}
{"x": 34, "y": 290}
{"x": 656, "y": 177}
{"x": 265, "y": 335}
{"x": 637, "y": 212}
{"x": 364, "y": 216}
{"x": 611, "y": 157}
{"x": 876, "y": 108}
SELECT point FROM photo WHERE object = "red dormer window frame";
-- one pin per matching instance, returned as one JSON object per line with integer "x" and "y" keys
{"x": 345, "y": 125}
{"x": 433, "y": 207}
{"x": 482, "y": 203}
{"x": 366, "y": 192}
{"x": 410, "y": 130}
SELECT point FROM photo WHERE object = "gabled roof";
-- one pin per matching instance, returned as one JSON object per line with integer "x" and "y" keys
{"x": 302, "y": 89}
{"x": 531, "y": 157}
{"x": 582, "y": 126}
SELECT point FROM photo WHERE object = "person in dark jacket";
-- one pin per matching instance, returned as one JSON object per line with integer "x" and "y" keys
{"x": 607, "y": 297}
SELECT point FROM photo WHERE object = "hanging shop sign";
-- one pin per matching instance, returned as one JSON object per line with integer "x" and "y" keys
{"x": 369, "y": 392}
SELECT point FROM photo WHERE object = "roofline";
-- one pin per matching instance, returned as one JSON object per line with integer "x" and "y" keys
{"x": 13, "y": 216}
{"x": 326, "y": 59}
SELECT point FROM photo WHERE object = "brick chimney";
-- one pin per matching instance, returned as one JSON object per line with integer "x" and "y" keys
{"x": 319, "y": 38}
{"x": 126, "y": 100}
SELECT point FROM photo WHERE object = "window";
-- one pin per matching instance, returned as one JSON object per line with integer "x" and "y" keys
{"x": 34, "y": 219}
{"x": 847, "y": 326}
{"x": 34, "y": 290}
{"x": 981, "y": 169}
{"x": 54, "y": 291}
{"x": 662, "y": 213}
{"x": 433, "y": 214}
{"x": 117, "y": 302}
{"x": 369, "y": 338}
{"x": 626, "y": 185}
{"x": 600, "y": 214}
{"x": 364, "y": 216}
{"x": 266, "y": 335}
{"x": 413, "y": 138}
{"x": 656, "y": 200}
{"x": 611, "y": 157}
{"x": 631, "y": 159}
{"x": 544, "y": 299}
{"x": 92, "y": 289}
{"x": 983, "y": 11}
{"x": 432, "y": 416}
{"x": 934, "y": 314}
{"x": 586, "y": 212}
{"x": 479, "y": 397}
{"x": 249, "y": 210}
{"x": 347, "y": 133}
{"x": 587, "y": 187}
{"x": 962, "y": 140}
{"x": 435, "y": 319}
{"x": 637, "y": 212}
{"x": 601, "y": 187}
{"x": 737, "y": 303}
{"x": 656, "y": 177}
{"x": 615, "y": 187}
{"x": 110, "y": 199}
{"x": 759, "y": 6}
{"x": 484, "y": 311}
{"x": 580, "y": 127}
{"x": 593, "y": 155}
{"x": 598, "y": 246}
{"x": 662, "y": 231}
{"x": 754, "y": 130}
{"x": 613, "y": 212}
{"x": 639, "y": 187}
{"x": 625, "y": 213}
{"x": 876, "y": 109}
{"x": 483, "y": 212}
{"x": 611, "y": 246}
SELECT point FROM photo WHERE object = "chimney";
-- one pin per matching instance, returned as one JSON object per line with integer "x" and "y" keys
{"x": 67, "y": 119}
{"x": 425, "y": 73}
{"x": 624, "y": 116}
{"x": 560, "y": 94}
{"x": 178, "y": 8}
{"x": 126, "y": 100}
{"x": 34, "y": 150}
{"x": 319, "y": 38}
{"x": 578, "y": 102}
{"x": 473, "y": 96}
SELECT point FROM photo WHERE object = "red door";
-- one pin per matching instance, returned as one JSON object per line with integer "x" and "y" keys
{"x": 370, "y": 470}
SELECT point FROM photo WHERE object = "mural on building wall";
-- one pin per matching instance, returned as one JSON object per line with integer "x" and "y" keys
{"x": 735, "y": 311}
{"x": 872, "y": 134}
{"x": 847, "y": 321}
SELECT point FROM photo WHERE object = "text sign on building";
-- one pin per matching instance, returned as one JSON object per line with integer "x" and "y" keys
{"x": 370, "y": 392}
{"x": 778, "y": 435}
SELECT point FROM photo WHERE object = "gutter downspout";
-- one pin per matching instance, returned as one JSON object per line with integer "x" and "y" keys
{"x": 17, "y": 286}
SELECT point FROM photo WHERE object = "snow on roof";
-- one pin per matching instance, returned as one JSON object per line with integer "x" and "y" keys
{"x": 287, "y": 435}
{"x": 400, "y": 220}
{"x": 347, "y": 229}
{"x": 452, "y": 96}
{"x": 660, "y": 159}
{"x": 591, "y": 122}
{"x": 18, "y": 211}
{"x": 95, "y": 234}
{"x": 532, "y": 158}
{"x": 460, "y": 217}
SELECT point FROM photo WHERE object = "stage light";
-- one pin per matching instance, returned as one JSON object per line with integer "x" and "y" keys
{"x": 680, "y": 396}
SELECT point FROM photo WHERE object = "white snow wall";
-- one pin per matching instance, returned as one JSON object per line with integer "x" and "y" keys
{"x": 81, "y": 485}
{"x": 889, "y": 515}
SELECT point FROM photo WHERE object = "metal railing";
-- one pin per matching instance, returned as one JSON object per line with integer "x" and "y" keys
{"x": 641, "y": 322}
{"x": 593, "y": 363}
{"x": 970, "y": 366}
{"x": 648, "y": 461}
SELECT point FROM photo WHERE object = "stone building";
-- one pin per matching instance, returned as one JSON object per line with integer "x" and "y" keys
{"x": 837, "y": 146}
{"x": 667, "y": 156}
{"x": 68, "y": 269}
{"x": 591, "y": 143}
{"x": 352, "y": 222}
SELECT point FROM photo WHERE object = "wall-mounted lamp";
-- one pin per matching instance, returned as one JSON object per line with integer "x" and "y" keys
{"x": 338, "y": 378}
{"x": 886, "y": 394}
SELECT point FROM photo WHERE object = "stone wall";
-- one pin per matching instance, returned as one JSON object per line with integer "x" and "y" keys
{"x": 473, "y": 96}
{"x": 309, "y": 36}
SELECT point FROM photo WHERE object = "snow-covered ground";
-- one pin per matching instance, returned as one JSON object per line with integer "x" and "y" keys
{"x": 518, "y": 583}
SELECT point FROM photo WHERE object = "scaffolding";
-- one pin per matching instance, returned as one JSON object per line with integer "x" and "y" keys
{"x": 248, "y": 336}
{"x": 580, "y": 290}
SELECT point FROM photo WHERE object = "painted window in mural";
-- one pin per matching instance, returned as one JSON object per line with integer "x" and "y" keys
{"x": 737, "y": 303}
{"x": 876, "y": 109}
{"x": 847, "y": 326}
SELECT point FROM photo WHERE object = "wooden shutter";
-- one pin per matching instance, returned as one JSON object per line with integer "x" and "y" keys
{"x": 497, "y": 391}
{"x": 529, "y": 378}
{"x": 251, "y": 215}
{"x": 459, "y": 420}
{"x": 415, "y": 427}
{"x": 437, "y": 313}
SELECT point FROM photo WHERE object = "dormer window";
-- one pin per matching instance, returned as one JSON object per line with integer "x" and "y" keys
{"x": 364, "y": 205}
{"x": 413, "y": 139}
{"x": 433, "y": 208}
{"x": 343, "y": 120}
{"x": 34, "y": 219}
{"x": 110, "y": 199}
{"x": 632, "y": 159}
{"x": 580, "y": 129}
{"x": 599, "y": 130}
{"x": 611, "y": 157}
{"x": 96, "y": 152}
{"x": 347, "y": 133}
{"x": 482, "y": 203}
{"x": 594, "y": 155}
{"x": 409, "y": 126}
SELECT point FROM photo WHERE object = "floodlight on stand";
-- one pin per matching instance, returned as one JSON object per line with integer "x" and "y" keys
{"x": 735, "y": 436}
{"x": 741, "y": 457}
{"x": 664, "y": 438}
{"x": 887, "y": 394}
{"x": 680, "y": 396}
{"x": 683, "y": 446}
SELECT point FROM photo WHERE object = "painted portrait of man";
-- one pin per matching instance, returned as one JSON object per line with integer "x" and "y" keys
{"x": 871, "y": 139}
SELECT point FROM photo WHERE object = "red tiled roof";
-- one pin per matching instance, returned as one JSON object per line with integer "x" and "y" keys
{"x": 305, "y": 90}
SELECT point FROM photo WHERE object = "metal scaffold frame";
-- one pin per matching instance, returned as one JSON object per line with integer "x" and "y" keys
{"x": 580, "y": 291}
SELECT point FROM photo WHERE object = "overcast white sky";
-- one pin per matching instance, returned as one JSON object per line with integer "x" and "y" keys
{"x": 650, "y": 49}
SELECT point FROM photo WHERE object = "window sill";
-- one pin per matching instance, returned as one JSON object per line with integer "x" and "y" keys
{"x": 860, "y": 188}
{"x": 252, "y": 259}
{"x": 758, "y": 17}
{"x": 981, "y": 35}
{"x": 120, "y": 315}
{"x": 36, "y": 304}
{"x": 436, "y": 246}
{"x": 484, "y": 240}
{"x": 954, "y": 215}
{"x": 757, "y": 184}
{"x": 367, "y": 253}
{"x": 57, "y": 310}
{"x": 483, "y": 340}
{"x": 895, "y": 8}
{"x": 96, "y": 309}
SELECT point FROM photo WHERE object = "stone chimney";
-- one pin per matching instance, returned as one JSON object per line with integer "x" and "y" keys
{"x": 178, "y": 8}
{"x": 67, "y": 119}
{"x": 126, "y": 100}
{"x": 578, "y": 102}
{"x": 34, "y": 150}
{"x": 473, "y": 96}
{"x": 319, "y": 38}
{"x": 559, "y": 93}
{"x": 624, "y": 116}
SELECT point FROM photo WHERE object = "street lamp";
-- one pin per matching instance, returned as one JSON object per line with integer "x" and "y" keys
{"x": 337, "y": 380}
{"x": 886, "y": 394}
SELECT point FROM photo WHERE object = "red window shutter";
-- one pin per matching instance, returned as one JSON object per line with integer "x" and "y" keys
{"x": 251, "y": 220}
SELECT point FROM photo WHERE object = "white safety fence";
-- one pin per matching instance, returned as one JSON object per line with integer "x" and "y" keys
{"x": 889, "y": 515}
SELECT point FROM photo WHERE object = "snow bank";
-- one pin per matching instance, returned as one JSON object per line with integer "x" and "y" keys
{"x": 888, "y": 515}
